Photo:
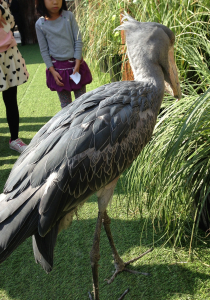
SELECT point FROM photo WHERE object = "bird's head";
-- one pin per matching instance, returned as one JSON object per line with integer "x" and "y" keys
{"x": 151, "y": 44}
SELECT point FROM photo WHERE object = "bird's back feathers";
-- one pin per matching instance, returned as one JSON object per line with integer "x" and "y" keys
{"x": 80, "y": 150}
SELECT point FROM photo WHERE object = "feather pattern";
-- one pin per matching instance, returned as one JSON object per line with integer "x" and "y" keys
{"x": 84, "y": 148}
{"x": 95, "y": 135}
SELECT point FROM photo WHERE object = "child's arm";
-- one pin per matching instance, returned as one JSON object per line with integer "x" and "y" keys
{"x": 43, "y": 45}
{"x": 5, "y": 15}
{"x": 56, "y": 76}
{"x": 77, "y": 65}
{"x": 2, "y": 21}
{"x": 77, "y": 43}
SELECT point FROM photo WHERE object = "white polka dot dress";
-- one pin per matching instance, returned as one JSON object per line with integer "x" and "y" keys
{"x": 13, "y": 70}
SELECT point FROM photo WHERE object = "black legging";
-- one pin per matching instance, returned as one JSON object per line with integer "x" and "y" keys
{"x": 10, "y": 100}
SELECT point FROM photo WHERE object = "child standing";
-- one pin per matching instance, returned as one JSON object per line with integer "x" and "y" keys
{"x": 60, "y": 44}
{"x": 12, "y": 73}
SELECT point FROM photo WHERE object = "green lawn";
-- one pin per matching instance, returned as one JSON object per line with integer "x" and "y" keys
{"x": 172, "y": 275}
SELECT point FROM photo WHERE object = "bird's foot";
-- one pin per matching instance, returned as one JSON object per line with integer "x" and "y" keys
{"x": 90, "y": 296}
{"x": 120, "y": 266}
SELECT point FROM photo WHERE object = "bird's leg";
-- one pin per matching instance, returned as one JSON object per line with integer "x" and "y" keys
{"x": 120, "y": 265}
{"x": 95, "y": 256}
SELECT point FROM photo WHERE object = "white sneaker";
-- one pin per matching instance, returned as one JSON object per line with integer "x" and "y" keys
{"x": 17, "y": 145}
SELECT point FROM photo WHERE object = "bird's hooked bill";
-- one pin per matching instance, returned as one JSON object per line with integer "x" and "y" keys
{"x": 174, "y": 87}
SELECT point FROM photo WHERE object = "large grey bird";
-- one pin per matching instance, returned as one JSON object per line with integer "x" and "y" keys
{"x": 85, "y": 148}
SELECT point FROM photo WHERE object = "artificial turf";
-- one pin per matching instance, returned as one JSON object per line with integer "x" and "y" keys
{"x": 173, "y": 276}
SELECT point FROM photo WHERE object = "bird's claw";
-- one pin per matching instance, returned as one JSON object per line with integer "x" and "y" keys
{"x": 90, "y": 296}
{"x": 109, "y": 281}
{"x": 122, "y": 267}
{"x": 123, "y": 295}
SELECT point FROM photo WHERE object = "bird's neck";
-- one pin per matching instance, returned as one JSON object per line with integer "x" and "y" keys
{"x": 152, "y": 74}
{"x": 145, "y": 70}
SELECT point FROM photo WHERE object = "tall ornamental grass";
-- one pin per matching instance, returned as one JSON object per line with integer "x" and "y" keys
{"x": 188, "y": 19}
{"x": 169, "y": 181}
{"x": 171, "y": 176}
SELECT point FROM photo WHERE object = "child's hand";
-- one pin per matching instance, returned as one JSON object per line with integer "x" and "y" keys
{"x": 77, "y": 65}
{"x": 2, "y": 20}
{"x": 56, "y": 76}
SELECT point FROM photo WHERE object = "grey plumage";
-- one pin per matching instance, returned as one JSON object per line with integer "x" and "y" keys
{"x": 85, "y": 147}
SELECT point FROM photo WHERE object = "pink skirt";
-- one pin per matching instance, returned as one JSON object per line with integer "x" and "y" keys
{"x": 65, "y": 69}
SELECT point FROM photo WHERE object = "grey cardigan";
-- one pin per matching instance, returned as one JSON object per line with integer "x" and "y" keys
{"x": 60, "y": 38}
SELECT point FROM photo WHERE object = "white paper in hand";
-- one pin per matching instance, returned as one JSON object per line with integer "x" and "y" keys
{"x": 76, "y": 77}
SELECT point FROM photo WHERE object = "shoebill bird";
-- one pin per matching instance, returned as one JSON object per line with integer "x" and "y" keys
{"x": 85, "y": 148}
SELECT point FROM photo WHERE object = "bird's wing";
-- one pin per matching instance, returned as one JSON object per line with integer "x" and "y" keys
{"x": 84, "y": 147}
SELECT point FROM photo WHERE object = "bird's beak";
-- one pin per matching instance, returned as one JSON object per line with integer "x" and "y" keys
{"x": 174, "y": 87}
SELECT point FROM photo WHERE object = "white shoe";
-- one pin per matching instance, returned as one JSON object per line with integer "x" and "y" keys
{"x": 17, "y": 145}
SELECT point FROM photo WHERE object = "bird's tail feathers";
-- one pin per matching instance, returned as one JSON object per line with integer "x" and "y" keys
{"x": 14, "y": 230}
{"x": 43, "y": 248}
{"x": 18, "y": 221}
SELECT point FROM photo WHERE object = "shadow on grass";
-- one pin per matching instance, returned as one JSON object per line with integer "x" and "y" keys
{"x": 71, "y": 277}
{"x": 31, "y": 54}
{"x": 34, "y": 124}
{"x": 8, "y": 156}
{"x": 29, "y": 128}
{"x": 42, "y": 120}
{"x": 4, "y": 174}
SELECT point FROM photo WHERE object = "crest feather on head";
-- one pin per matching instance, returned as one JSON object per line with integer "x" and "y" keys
{"x": 131, "y": 25}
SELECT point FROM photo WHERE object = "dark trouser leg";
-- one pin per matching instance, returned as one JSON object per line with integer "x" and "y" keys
{"x": 65, "y": 98}
{"x": 95, "y": 256}
{"x": 10, "y": 100}
{"x": 80, "y": 92}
